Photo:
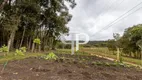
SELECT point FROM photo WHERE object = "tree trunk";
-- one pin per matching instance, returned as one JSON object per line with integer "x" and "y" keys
{"x": 33, "y": 47}
{"x": 29, "y": 44}
{"x": 17, "y": 44}
{"x": 11, "y": 40}
{"x": 39, "y": 47}
{"x": 135, "y": 55}
{"x": 4, "y": 2}
{"x": 22, "y": 37}
{"x": 42, "y": 44}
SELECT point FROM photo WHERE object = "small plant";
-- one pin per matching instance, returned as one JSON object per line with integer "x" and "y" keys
{"x": 51, "y": 56}
{"x": 23, "y": 49}
{"x": 83, "y": 59}
{"x": 119, "y": 64}
{"x": 102, "y": 63}
{"x": 4, "y": 49}
{"x": 19, "y": 52}
{"x": 121, "y": 59}
{"x": 37, "y": 41}
{"x": 4, "y": 66}
{"x": 107, "y": 64}
{"x": 63, "y": 58}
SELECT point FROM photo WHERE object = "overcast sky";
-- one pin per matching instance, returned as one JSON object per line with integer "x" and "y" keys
{"x": 91, "y": 16}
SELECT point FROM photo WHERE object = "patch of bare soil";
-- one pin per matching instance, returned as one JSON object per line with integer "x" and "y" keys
{"x": 39, "y": 69}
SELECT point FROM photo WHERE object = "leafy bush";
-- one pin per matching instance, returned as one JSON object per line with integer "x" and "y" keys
{"x": 19, "y": 52}
{"x": 37, "y": 41}
{"x": 4, "y": 49}
{"x": 50, "y": 56}
{"x": 23, "y": 49}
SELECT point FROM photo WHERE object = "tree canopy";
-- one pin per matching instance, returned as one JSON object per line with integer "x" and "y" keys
{"x": 21, "y": 21}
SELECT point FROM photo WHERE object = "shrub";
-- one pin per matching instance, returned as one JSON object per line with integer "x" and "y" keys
{"x": 37, "y": 41}
{"x": 4, "y": 49}
{"x": 23, "y": 49}
{"x": 51, "y": 56}
{"x": 19, "y": 52}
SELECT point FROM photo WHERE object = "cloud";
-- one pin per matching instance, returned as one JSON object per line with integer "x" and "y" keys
{"x": 91, "y": 16}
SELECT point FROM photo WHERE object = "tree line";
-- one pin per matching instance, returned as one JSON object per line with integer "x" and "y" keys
{"x": 24, "y": 21}
{"x": 130, "y": 43}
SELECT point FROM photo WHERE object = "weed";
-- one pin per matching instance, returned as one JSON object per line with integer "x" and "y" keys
{"x": 37, "y": 41}
{"x": 23, "y": 49}
{"x": 4, "y": 49}
{"x": 19, "y": 52}
{"x": 107, "y": 64}
{"x": 50, "y": 56}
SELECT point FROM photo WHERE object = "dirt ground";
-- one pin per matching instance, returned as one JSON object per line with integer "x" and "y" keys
{"x": 40, "y": 69}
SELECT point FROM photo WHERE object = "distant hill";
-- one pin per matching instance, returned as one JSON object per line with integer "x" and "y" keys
{"x": 96, "y": 44}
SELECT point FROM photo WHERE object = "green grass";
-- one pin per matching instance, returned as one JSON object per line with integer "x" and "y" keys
{"x": 11, "y": 56}
{"x": 68, "y": 51}
{"x": 102, "y": 52}
{"x": 106, "y": 53}
{"x": 95, "y": 51}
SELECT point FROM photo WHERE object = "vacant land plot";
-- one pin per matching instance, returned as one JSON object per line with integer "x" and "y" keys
{"x": 69, "y": 68}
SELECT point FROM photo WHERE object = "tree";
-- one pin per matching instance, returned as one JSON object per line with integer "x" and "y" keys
{"x": 139, "y": 43}
{"x": 10, "y": 22}
{"x": 21, "y": 21}
{"x": 117, "y": 37}
{"x": 2, "y": 2}
{"x": 37, "y": 42}
{"x": 111, "y": 45}
{"x": 129, "y": 40}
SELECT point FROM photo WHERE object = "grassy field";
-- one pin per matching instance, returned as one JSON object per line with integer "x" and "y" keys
{"x": 10, "y": 56}
{"x": 102, "y": 52}
{"x": 106, "y": 53}
{"x": 66, "y": 67}
{"x": 84, "y": 51}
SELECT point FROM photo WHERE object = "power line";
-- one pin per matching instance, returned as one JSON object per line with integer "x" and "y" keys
{"x": 111, "y": 7}
{"x": 121, "y": 17}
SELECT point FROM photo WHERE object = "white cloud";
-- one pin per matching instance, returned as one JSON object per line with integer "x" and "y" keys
{"x": 85, "y": 17}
